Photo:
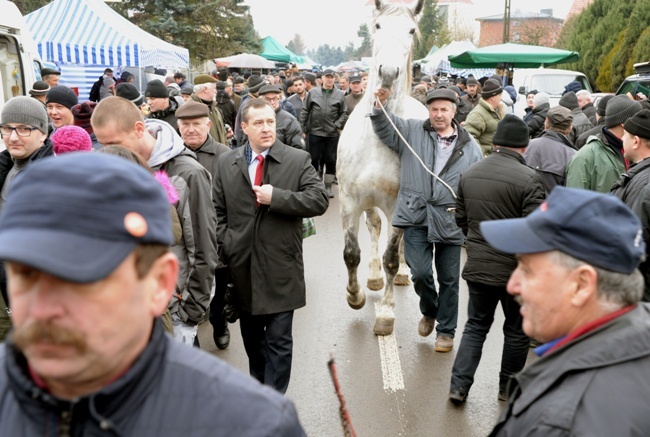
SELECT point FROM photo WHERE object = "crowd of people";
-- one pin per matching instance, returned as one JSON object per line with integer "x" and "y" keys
{"x": 199, "y": 216}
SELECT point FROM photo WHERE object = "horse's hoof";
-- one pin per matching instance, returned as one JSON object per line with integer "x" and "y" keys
{"x": 384, "y": 326}
{"x": 402, "y": 279}
{"x": 357, "y": 301}
{"x": 375, "y": 284}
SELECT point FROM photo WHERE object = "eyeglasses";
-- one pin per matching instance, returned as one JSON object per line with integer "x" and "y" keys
{"x": 22, "y": 131}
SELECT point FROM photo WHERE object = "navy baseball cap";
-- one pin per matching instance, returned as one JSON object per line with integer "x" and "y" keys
{"x": 78, "y": 216}
{"x": 596, "y": 228}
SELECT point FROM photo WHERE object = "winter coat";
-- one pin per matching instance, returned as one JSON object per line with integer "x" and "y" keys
{"x": 537, "y": 119}
{"x": 595, "y": 167}
{"x": 218, "y": 128}
{"x": 462, "y": 111}
{"x": 287, "y": 129}
{"x": 297, "y": 104}
{"x": 528, "y": 114}
{"x": 582, "y": 139}
{"x": 169, "y": 114}
{"x": 352, "y": 100}
{"x": 262, "y": 246}
{"x": 288, "y": 107}
{"x": 481, "y": 123}
{"x": 421, "y": 201}
{"x": 197, "y": 252}
{"x": 324, "y": 112}
{"x": 227, "y": 107}
{"x": 157, "y": 396}
{"x": 590, "y": 112}
{"x": 581, "y": 124}
{"x": 549, "y": 155}
{"x": 472, "y": 100}
{"x": 633, "y": 188}
{"x": 595, "y": 385}
{"x": 498, "y": 187}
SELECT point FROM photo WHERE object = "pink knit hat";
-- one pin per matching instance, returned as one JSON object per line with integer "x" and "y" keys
{"x": 71, "y": 139}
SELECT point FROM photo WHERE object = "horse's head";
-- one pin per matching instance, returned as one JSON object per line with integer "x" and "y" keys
{"x": 394, "y": 27}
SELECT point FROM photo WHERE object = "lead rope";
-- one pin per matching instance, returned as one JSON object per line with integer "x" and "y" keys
{"x": 413, "y": 151}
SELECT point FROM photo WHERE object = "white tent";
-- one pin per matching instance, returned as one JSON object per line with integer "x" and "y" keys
{"x": 83, "y": 37}
{"x": 437, "y": 61}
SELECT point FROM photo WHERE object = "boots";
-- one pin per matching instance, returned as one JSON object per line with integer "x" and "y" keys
{"x": 320, "y": 175}
{"x": 329, "y": 179}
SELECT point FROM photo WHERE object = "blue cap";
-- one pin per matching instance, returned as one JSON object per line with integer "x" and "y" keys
{"x": 596, "y": 228}
{"x": 78, "y": 216}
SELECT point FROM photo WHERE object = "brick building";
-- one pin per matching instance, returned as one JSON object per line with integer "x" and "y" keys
{"x": 536, "y": 28}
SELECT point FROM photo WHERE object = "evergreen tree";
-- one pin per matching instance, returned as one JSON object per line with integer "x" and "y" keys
{"x": 433, "y": 30}
{"x": 365, "y": 49}
{"x": 297, "y": 45}
{"x": 28, "y": 6}
{"x": 208, "y": 29}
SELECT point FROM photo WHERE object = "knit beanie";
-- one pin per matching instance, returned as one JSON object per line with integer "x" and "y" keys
{"x": 25, "y": 110}
{"x": 471, "y": 81}
{"x": 639, "y": 124}
{"x": 490, "y": 89}
{"x": 569, "y": 101}
{"x": 540, "y": 99}
{"x": 619, "y": 109}
{"x": 108, "y": 81}
{"x": 62, "y": 95}
{"x": 129, "y": 92}
{"x": 602, "y": 104}
{"x": 512, "y": 131}
{"x": 70, "y": 139}
{"x": 82, "y": 113}
{"x": 156, "y": 88}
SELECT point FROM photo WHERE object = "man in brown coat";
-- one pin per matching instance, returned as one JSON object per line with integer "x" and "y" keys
{"x": 263, "y": 190}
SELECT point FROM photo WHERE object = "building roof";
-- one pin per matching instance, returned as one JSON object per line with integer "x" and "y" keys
{"x": 578, "y": 6}
{"x": 440, "y": 2}
{"x": 520, "y": 15}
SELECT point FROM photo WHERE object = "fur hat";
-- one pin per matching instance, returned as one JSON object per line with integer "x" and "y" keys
{"x": 71, "y": 139}
{"x": 27, "y": 111}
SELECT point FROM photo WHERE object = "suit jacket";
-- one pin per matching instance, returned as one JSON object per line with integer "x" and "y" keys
{"x": 263, "y": 246}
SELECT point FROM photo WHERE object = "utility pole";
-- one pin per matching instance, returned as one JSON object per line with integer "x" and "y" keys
{"x": 506, "y": 22}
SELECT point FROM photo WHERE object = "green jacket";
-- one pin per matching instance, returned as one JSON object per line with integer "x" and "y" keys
{"x": 595, "y": 166}
{"x": 481, "y": 123}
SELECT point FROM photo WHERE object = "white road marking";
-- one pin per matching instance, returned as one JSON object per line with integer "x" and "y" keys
{"x": 391, "y": 368}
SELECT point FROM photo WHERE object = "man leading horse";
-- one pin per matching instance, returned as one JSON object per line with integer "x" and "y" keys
{"x": 426, "y": 206}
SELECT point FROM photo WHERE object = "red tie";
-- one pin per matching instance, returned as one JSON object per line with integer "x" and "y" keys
{"x": 259, "y": 172}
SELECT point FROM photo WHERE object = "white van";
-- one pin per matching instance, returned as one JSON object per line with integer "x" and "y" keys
{"x": 548, "y": 80}
{"x": 20, "y": 64}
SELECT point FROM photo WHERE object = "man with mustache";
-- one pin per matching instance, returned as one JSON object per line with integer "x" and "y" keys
{"x": 578, "y": 284}
{"x": 90, "y": 271}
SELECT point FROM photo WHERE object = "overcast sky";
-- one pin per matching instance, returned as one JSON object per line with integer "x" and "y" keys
{"x": 335, "y": 22}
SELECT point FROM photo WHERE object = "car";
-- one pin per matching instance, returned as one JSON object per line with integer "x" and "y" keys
{"x": 638, "y": 83}
{"x": 548, "y": 80}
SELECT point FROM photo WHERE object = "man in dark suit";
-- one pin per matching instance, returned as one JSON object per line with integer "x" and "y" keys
{"x": 263, "y": 190}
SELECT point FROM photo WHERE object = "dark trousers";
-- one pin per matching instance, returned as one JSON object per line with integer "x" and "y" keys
{"x": 323, "y": 152}
{"x": 269, "y": 343}
{"x": 483, "y": 301}
{"x": 217, "y": 319}
{"x": 419, "y": 253}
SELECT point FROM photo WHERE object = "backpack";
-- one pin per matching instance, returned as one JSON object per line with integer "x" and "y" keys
{"x": 94, "y": 91}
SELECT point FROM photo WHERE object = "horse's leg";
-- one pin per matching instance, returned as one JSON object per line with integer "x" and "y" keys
{"x": 402, "y": 277}
{"x": 350, "y": 215}
{"x": 386, "y": 317}
{"x": 373, "y": 222}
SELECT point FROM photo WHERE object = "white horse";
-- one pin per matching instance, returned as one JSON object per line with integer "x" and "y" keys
{"x": 367, "y": 170}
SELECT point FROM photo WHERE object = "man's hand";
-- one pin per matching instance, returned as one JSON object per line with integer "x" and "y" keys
{"x": 263, "y": 194}
{"x": 382, "y": 94}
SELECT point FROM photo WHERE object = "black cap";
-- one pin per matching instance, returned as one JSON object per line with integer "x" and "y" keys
{"x": 45, "y": 71}
{"x": 512, "y": 131}
{"x": 187, "y": 91}
{"x": 39, "y": 88}
{"x": 471, "y": 80}
{"x": 328, "y": 72}
{"x": 255, "y": 83}
{"x": 78, "y": 194}
{"x": 354, "y": 79}
{"x": 569, "y": 100}
{"x": 156, "y": 89}
{"x": 269, "y": 89}
{"x": 129, "y": 92}
{"x": 441, "y": 94}
{"x": 62, "y": 95}
{"x": 639, "y": 124}
{"x": 491, "y": 88}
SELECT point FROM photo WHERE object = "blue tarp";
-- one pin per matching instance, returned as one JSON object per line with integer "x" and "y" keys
{"x": 89, "y": 32}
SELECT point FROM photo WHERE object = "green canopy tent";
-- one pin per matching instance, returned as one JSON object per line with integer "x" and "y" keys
{"x": 274, "y": 51}
{"x": 512, "y": 55}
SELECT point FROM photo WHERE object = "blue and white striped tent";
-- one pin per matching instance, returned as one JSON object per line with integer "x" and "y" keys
{"x": 89, "y": 32}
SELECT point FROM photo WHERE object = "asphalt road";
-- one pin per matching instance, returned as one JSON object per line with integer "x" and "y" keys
{"x": 372, "y": 384}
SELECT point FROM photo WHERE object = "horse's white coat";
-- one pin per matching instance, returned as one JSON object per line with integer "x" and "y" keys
{"x": 367, "y": 170}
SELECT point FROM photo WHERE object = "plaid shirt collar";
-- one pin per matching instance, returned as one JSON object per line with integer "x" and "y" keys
{"x": 446, "y": 142}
